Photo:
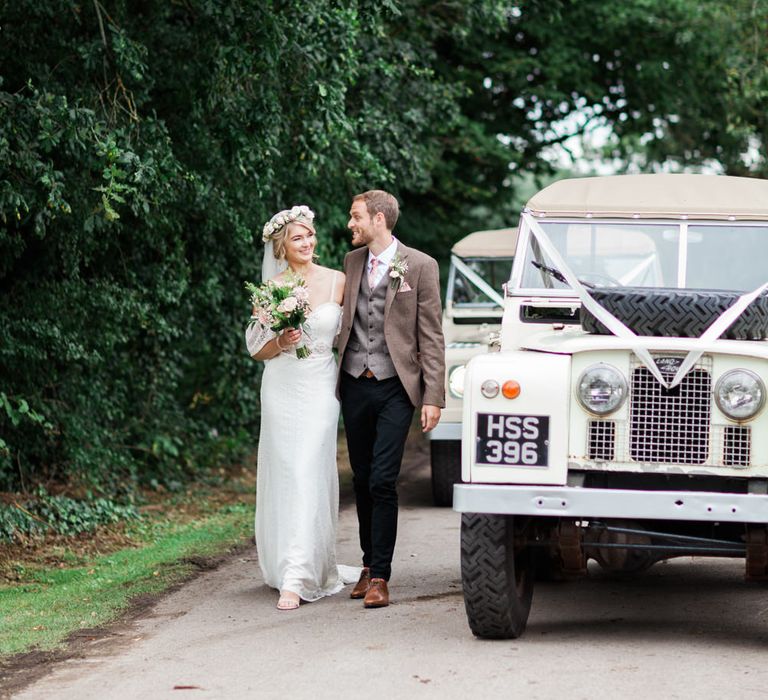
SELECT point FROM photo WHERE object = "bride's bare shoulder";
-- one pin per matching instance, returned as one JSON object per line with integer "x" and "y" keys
{"x": 338, "y": 282}
{"x": 334, "y": 271}
{"x": 329, "y": 272}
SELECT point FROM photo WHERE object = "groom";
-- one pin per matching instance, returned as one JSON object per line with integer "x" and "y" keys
{"x": 392, "y": 360}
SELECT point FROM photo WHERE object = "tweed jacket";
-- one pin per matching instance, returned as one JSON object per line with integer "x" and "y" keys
{"x": 412, "y": 322}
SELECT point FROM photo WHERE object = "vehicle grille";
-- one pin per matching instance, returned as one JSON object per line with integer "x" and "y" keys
{"x": 602, "y": 440}
{"x": 670, "y": 426}
{"x": 736, "y": 445}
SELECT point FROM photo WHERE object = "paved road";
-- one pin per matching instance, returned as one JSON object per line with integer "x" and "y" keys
{"x": 687, "y": 629}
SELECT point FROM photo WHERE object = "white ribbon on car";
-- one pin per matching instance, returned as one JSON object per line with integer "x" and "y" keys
{"x": 715, "y": 330}
{"x": 478, "y": 281}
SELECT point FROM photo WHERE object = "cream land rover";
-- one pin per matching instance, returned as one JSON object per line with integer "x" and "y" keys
{"x": 480, "y": 265}
{"x": 623, "y": 419}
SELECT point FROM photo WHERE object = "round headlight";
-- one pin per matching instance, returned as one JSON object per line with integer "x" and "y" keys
{"x": 601, "y": 389}
{"x": 456, "y": 380}
{"x": 489, "y": 388}
{"x": 739, "y": 394}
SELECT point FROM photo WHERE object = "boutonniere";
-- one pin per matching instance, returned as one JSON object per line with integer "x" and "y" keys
{"x": 397, "y": 269}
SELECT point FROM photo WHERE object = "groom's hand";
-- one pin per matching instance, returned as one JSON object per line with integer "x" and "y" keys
{"x": 430, "y": 415}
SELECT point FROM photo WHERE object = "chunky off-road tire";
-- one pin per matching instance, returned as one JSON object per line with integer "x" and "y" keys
{"x": 685, "y": 313}
{"x": 446, "y": 470}
{"x": 497, "y": 578}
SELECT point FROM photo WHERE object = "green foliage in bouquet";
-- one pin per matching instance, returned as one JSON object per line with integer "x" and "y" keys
{"x": 281, "y": 306}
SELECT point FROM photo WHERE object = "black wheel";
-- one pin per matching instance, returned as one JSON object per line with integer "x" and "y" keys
{"x": 497, "y": 576}
{"x": 446, "y": 470}
{"x": 685, "y": 313}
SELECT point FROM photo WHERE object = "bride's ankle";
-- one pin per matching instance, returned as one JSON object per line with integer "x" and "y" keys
{"x": 288, "y": 600}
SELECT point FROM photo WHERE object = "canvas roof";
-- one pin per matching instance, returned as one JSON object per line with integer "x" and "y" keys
{"x": 655, "y": 196}
{"x": 497, "y": 243}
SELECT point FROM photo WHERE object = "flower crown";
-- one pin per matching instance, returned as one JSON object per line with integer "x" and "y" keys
{"x": 285, "y": 217}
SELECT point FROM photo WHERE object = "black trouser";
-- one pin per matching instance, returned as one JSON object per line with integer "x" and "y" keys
{"x": 377, "y": 416}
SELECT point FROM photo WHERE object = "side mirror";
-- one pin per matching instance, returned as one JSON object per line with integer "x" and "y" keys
{"x": 494, "y": 340}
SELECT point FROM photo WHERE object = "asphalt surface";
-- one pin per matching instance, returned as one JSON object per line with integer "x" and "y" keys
{"x": 684, "y": 629}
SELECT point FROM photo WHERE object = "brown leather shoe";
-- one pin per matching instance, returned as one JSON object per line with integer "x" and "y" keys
{"x": 361, "y": 587}
{"x": 378, "y": 594}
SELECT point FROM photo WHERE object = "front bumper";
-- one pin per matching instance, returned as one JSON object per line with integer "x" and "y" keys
{"x": 570, "y": 502}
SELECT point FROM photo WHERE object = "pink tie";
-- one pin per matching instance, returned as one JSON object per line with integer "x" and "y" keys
{"x": 372, "y": 273}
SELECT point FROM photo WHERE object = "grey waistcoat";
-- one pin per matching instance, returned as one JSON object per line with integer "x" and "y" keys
{"x": 366, "y": 347}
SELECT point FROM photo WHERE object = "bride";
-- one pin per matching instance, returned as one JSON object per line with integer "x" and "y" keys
{"x": 297, "y": 497}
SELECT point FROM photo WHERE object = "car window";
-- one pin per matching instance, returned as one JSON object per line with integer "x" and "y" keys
{"x": 495, "y": 271}
{"x": 607, "y": 254}
{"x": 727, "y": 257}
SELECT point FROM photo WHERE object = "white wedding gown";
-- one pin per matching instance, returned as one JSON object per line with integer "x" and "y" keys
{"x": 297, "y": 486}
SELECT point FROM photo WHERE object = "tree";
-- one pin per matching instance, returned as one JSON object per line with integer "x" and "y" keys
{"x": 143, "y": 144}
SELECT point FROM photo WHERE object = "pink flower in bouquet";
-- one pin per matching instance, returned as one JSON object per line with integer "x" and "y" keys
{"x": 287, "y": 305}
{"x": 264, "y": 318}
{"x": 281, "y": 306}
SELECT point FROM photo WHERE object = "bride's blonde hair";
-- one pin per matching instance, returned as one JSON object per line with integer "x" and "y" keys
{"x": 276, "y": 229}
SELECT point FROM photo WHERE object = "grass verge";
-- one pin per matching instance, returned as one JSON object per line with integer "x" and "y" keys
{"x": 52, "y": 587}
{"x": 47, "y": 603}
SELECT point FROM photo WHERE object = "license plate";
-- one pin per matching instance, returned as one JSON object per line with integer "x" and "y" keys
{"x": 506, "y": 440}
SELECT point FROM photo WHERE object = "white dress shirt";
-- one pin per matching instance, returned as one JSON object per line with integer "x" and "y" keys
{"x": 385, "y": 260}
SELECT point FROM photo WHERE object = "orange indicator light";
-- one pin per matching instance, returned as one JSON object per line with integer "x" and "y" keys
{"x": 510, "y": 389}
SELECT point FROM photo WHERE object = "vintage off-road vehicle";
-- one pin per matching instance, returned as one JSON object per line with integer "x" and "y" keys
{"x": 623, "y": 418}
{"x": 480, "y": 264}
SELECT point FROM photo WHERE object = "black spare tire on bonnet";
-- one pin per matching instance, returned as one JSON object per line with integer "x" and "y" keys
{"x": 684, "y": 313}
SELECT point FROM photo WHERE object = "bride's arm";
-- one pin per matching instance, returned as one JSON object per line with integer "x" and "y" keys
{"x": 338, "y": 297}
{"x": 263, "y": 343}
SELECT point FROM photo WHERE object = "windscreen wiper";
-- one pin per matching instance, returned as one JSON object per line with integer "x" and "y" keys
{"x": 554, "y": 272}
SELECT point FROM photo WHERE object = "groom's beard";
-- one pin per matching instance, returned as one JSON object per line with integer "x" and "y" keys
{"x": 360, "y": 239}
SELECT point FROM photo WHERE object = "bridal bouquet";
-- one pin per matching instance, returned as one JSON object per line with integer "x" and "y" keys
{"x": 281, "y": 306}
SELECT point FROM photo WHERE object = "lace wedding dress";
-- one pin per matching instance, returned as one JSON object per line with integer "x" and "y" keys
{"x": 297, "y": 487}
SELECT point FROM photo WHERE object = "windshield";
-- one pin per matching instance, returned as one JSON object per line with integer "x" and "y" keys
{"x": 466, "y": 292}
{"x": 649, "y": 255}
{"x": 727, "y": 257}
